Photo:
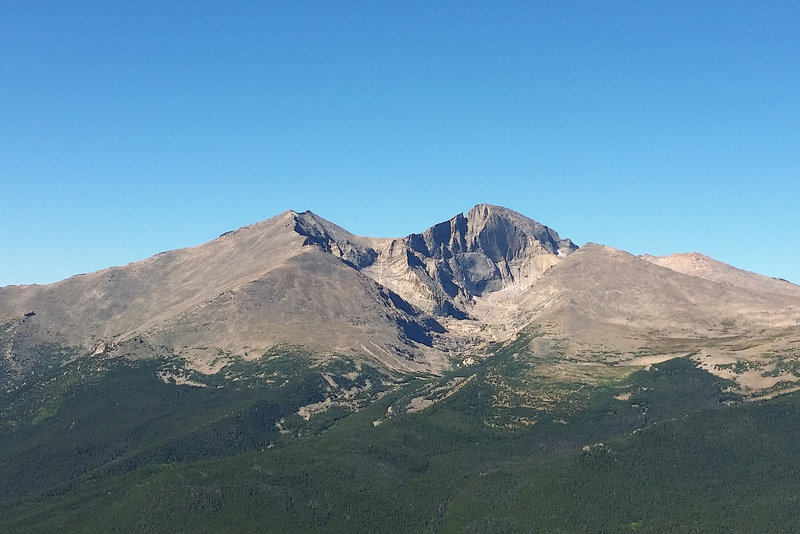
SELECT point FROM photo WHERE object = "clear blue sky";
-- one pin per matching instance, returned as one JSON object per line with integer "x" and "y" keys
{"x": 128, "y": 128}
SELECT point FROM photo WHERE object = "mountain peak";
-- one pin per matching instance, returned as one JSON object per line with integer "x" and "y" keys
{"x": 702, "y": 266}
{"x": 486, "y": 210}
{"x": 514, "y": 231}
{"x": 353, "y": 250}
{"x": 444, "y": 268}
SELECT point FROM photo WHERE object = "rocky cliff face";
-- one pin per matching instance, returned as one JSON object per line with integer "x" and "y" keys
{"x": 352, "y": 250}
{"x": 490, "y": 249}
{"x": 443, "y": 269}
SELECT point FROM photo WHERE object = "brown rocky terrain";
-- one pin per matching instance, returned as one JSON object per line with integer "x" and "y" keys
{"x": 419, "y": 303}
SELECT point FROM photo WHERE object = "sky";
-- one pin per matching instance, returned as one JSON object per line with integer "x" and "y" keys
{"x": 129, "y": 128}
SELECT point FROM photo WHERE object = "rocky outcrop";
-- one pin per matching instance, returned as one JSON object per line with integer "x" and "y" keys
{"x": 490, "y": 249}
{"x": 333, "y": 239}
{"x": 443, "y": 269}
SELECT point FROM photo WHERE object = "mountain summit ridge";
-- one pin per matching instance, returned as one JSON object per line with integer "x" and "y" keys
{"x": 409, "y": 304}
{"x": 489, "y": 249}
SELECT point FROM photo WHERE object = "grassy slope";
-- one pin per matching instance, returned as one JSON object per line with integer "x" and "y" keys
{"x": 210, "y": 460}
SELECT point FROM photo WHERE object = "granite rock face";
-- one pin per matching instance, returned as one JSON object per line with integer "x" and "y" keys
{"x": 444, "y": 268}
{"x": 490, "y": 249}
{"x": 334, "y": 240}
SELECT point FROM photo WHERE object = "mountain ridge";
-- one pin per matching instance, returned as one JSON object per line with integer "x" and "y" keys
{"x": 416, "y": 303}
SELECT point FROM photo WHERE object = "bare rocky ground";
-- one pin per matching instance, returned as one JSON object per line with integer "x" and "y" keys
{"x": 424, "y": 303}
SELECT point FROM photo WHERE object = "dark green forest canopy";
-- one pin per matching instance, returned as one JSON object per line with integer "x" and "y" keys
{"x": 110, "y": 447}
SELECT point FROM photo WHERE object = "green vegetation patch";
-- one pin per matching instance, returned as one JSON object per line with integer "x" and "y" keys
{"x": 656, "y": 450}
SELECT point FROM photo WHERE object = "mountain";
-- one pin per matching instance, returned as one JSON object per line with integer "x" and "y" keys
{"x": 607, "y": 304}
{"x": 444, "y": 269}
{"x": 416, "y": 303}
{"x": 285, "y": 281}
{"x": 696, "y": 264}
{"x": 482, "y": 375}
{"x": 295, "y": 279}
